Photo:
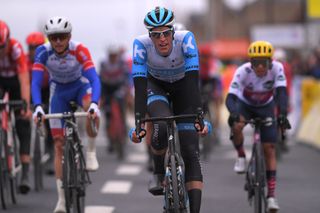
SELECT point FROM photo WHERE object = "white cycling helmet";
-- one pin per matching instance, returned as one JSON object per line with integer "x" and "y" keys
{"x": 57, "y": 25}
{"x": 179, "y": 26}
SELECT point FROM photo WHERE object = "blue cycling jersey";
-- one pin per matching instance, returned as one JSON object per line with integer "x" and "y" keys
{"x": 183, "y": 58}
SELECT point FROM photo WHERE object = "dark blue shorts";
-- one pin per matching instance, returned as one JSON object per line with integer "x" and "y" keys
{"x": 268, "y": 133}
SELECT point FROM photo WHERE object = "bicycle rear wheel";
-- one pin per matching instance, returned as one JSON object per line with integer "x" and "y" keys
{"x": 259, "y": 197}
{"x": 37, "y": 164}
{"x": 4, "y": 172}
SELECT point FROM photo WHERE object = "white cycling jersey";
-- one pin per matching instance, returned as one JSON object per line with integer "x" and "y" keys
{"x": 254, "y": 90}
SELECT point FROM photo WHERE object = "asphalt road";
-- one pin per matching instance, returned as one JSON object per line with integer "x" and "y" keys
{"x": 121, "y": 187}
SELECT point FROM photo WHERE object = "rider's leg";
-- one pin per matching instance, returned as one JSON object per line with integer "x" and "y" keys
{"x": 238, "y": 138}
{"x": 24, "y": 133}
{"x": 189, "y": 145}
{"x": 58, "y": 148}
{"x": 158, "y": 107}
{"x": 92, "y": 162}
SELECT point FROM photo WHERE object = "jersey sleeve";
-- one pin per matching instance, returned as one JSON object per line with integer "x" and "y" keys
{"x": 280, "y": 77}
{"x": 84, "y": 57}
{"x": 236, "y": 83}
{"x": 190, "y": 52}
{"x": 139, "y": 65}
{"x": 19, "y": 56}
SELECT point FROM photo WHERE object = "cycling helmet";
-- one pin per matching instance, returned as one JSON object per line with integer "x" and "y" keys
{"x": 179, "y": 26}
{"x": 57, "y": 25}
{"x": 4, "y": 33}
{"x": 260, "y": 49}
{"x": 35, "y": 39}
{"x": 159, "y": 17}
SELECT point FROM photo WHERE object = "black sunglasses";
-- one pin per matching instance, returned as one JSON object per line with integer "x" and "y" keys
{"x": 157, "y": 34}
{"x": 260, "y": 61}
{"x": 60, "y": 36}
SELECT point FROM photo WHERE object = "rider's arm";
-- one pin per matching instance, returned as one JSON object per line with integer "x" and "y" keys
{"x": 139, "y": 74}
{"x": 89, "y": 71}
{"x": 281, "y": 99}
{"x": 38, "y": 69}
{"x": 280, "y": 85}
{"x": 92, "y": 76}
{"x": 191, "y": 57}
{"x": 23, "y": 73}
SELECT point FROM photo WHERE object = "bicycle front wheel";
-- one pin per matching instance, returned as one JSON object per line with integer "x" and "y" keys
{"x": 259, "y": 196}
{"x": 172, "y": 190}
{"x": 67, "y": 176}
{"x": 37, "y": 164}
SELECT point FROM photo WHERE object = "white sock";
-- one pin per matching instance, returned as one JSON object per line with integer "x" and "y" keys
{"x": 91, "y": 144}
{"x": 60, "y": 189}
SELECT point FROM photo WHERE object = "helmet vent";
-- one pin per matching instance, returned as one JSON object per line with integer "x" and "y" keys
{"x": 59, "y": 20}
{"x": 66, "y": 25}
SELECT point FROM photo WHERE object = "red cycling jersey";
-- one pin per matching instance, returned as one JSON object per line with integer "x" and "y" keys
{"x": 14, "y": 61}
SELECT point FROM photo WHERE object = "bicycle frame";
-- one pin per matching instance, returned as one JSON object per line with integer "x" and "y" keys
{"x": 10, "y": 160}
{"x": 176, "y": 198}
{"x": 256, "y": 171}
{"x": 75, "y": 177}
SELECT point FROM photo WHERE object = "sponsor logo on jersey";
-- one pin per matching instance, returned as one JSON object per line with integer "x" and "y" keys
{"x": 138, "y": 52}
{"x": 188, "y": 44}
{"x": 235, "y": 85}
{"x": 268, "y": 85}
{"x": 281, "y": 78}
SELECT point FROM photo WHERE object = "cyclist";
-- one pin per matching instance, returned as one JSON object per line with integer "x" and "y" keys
{"x": 33, "y": 40}
{"x": 14, "y": 78}
{"x": 251, "y": 94}
{"x": 211, "y": 83}
{"x": 72, "y": 78}
{"x": 166, "y": 68}
{"x": 114, "y": 76}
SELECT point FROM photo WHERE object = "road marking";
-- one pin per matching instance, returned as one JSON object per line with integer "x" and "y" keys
{"x": 116, "y": 187}
{"x": 232, "y": 154}
{"x": 128, "y": 170}
{"x": 138, "y": 158}
{"x": 99, "y": 209}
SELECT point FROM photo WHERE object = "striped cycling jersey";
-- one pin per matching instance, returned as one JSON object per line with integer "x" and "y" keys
{"x": 254, "y": 90}
{"x": 64, "y": 70}
{"x": 183, "y": 58}
{"x": 14, "y": 61}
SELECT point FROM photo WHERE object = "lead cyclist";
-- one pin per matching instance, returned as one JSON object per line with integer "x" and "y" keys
{"x": 165, "y": 62}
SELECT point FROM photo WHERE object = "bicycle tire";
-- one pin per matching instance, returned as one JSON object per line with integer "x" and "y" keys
{"x": 4, "y": 175}
{"x": 79, "y": 192}
{"x": 15, "y": 163}
{"x": 117, "y": 129}
{"x": 175, "y": 203}
{"x": 67, "y": 175}
{"x": 259, "y": 185}
{"x": 37, "y": 164}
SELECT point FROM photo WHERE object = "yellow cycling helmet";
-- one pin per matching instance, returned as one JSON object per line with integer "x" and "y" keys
{"x": 260, "y": 49}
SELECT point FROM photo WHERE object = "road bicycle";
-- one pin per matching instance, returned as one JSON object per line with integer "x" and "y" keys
{"x": 117, "y": 128}
{"x": 255, "y": 180}
{"x": 75, "y": 176}
{"x": 175, "y": 194}
{"x": 10, "y": 164}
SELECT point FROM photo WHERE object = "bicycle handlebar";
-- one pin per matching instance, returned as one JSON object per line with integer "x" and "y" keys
{"x": 22, "y": 104}
{"x": 169, "y": 118}
{"x": 65, "y": 115}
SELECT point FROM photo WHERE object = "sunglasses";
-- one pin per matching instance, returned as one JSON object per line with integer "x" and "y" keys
{"x": 60, "y": 36}
{"x": 260, "y": 61}
{"x": 157, "y": 34}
